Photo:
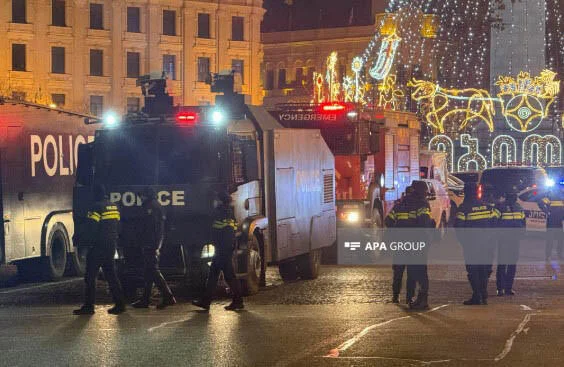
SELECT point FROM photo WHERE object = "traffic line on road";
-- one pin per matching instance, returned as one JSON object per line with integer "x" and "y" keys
{"x": 163, "y": 324}
{"x": 509, "y": 342}
{"x": 46, "y": 285}
{"x": 334, "y": 353}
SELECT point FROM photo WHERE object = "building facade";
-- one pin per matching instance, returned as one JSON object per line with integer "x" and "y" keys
{"x": 86, "y": 55}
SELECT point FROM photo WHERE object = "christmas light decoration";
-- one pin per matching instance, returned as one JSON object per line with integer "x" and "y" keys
{"x": 499, "y": 156}
{"x": 386, "y": 56}
{"x": 442, "y": 143}
{"x": 334, "y": 87}
{"x": 548, "y": 150}
{"x": 453, "y": 105}
{"x": 526, "y": 101}
{"x": 389, "y": 94}
{"x": 472, "y": 156}
{"x": 318, "y": 88}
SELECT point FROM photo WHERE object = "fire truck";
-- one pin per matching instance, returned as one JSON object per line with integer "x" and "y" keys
{"x": 376, "y": 154}
{"x": 282, "y": 184}
{"x": 38, "y": 157}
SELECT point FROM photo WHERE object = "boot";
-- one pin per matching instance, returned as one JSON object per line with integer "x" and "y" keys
{"x": 84, "y": 310}
{"x": 117, "y": 309}
{"x": 202, "y": 304}
{"x": 235, "y": 305}
{"x": 500, "y": 293}
{"x": 167, "y": 301}
{"x": 510, "y": 292}
{"x": 142, "y": 303}
{"x": 475, "y": 300}
{"x": 420, "y": 303}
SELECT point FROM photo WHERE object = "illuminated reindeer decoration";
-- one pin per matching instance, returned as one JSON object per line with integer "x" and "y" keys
{"x": 454, "y": 105}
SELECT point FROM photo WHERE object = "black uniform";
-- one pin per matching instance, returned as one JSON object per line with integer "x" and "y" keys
{"x": 397, "y": 219}
{"x": 512, "y": 224}
{"x": 473, "y": 215}
{"x": 224, "y": 228}
{"x": 553, "y": 205}
{"x": 103, "y": 228}
{"x": 153, "y": 237}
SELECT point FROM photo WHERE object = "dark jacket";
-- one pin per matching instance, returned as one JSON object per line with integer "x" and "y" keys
{"x": 103, "y": 224}
{"x": 224, "y": 227}
{"x": 511, "y": 215}
{"x": 153, "y": 224}
{"x": 553, "y": 205}
{"x": 411, "y": 212}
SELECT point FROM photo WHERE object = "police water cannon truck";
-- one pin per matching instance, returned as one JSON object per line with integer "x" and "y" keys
{"x": 38, "y": 157}
{"x": 281, "y": 181}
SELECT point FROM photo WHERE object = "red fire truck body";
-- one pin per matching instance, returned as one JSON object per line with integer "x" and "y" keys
{"x": 376, "y": 155}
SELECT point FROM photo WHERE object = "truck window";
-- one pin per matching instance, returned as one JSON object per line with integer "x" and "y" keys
{"x": 244, "y": 157}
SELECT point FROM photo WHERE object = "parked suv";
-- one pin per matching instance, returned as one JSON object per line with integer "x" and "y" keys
{"x": 497, "y": 181}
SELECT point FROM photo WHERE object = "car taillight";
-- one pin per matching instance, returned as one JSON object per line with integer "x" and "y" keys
{"x": 480, "y": 192}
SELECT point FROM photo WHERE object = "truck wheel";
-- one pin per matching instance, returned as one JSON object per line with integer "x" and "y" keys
{"x": 54, "y": 265}
{"x": 288, "y": 270}
{"x": 250, "y": 284}
{"x": 309, "y": 264}
{"x": 78, "y": 260}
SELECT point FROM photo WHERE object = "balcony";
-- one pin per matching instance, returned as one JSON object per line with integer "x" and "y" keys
{"x": 99, "y": 33}
{"x": 21, "y": 28}
{"x": 56, "y": 31}
{"x": 239, "y": 45}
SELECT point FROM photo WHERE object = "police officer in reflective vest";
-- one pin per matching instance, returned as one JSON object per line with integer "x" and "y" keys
{"x": 397, "y": 218}
{"x": 153, "y": 229}
{"x": 472, "y": 217}
{"x": 512, "y": 224}
{"x": 224, "y": 229}
{"x": 553, "y": 205}
{"x": 102, "y": 235}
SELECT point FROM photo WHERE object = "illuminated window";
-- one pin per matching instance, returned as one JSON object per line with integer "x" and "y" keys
{"x": 58, "y": 100}
{"x": 169, "y": 66}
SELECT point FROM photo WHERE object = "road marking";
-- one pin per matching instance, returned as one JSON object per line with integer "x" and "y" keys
{"x": 509, "y": 342}
{"x": 334, "y": 353}
{"x": 47, "y": 285}
{"x": 161, "y": 325}
{"x": 526, "y": 308}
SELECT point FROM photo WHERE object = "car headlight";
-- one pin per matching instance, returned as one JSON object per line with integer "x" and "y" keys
{"x": 116, "y": 255}
{"x": 550, "y": 182}
{"x": 352, "y": 217}
{"x": 208, "y": 251}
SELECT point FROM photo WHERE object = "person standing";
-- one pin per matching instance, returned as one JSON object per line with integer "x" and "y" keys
{"x": 421, "y": 214}
{"x": 153, "y": 227}
{"x": 553, "y": 205}
{"x": 512, "y": 222}
{"x": 399, "y": 218}
{"x": 102, "y": 235}
{"x": 224, "y": 229}
{"x": 472, "y": 217}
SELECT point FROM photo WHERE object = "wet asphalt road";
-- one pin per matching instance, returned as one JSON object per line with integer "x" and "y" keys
{"x": 342, "y": 318}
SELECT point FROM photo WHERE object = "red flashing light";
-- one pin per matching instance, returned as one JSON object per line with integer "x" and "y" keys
{"x": 185, "y": 117}
{"x": 534, "y": 186}
{"x": 333, "y": 107}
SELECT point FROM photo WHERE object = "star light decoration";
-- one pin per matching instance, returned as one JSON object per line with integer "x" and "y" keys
{"x": 526, "y": 100}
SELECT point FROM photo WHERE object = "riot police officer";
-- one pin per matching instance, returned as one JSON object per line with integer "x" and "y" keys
{"x": 102, "y": 235}
{"x": 153, "y": 237}
{"x": 472, "y": 217}
{"x": 421, "y": 212}
{"x": 223, "y": 235}
{"x": 553, "y": 205}
{"x": 396, "y": 219}
{"x": 512, "y": 223}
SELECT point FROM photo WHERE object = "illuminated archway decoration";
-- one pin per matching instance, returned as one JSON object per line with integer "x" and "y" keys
{"x": 542, "y": 143}
{"x": 510, "y": 156}
{"x": 454, "y": 105}
{"x": 389, "y": 95}
{"x": 526, "y": 100}
{"x": 386, "y": 56}
{"x": 442, "y": 143}
{"x": 472, "y": 156}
